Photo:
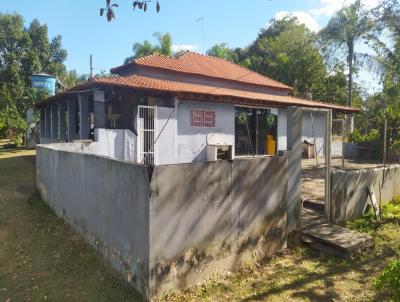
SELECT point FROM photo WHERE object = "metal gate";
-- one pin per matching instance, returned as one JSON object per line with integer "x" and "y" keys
{"x": 146, "y": 126}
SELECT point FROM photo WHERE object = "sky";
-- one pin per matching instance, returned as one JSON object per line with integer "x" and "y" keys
{"x": 236, "y": 23}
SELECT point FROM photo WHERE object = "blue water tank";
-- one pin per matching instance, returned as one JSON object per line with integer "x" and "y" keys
{"x": 44, "y": 81}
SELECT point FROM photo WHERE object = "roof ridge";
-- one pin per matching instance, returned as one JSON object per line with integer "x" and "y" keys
{"x": 154, "y": 54}
{"x": 238, "y": 65}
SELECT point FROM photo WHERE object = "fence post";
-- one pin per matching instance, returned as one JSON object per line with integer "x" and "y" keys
{"x": 384, "y": 142}
{"x": 328, "y": 144}
{"x": 343, "y": 139}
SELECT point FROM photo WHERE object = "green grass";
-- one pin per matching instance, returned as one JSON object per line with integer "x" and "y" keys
{"x": 41, "y": 258}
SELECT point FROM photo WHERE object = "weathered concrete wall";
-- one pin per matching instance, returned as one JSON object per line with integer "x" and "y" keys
{"x": 210, "y": 217}
{"x": 105, "y": 200}
{"x": 175, "y": 225}
{"x": 349, "y": 191}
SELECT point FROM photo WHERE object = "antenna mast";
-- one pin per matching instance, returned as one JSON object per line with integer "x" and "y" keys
{"x": 201, "y": 19}
{"x": 91, "y": 66}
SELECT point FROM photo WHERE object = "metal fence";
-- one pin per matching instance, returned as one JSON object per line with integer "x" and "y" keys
{"x": 355, "y": 144}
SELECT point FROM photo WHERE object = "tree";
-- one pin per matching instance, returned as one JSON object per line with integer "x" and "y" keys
{"x": 23, "y": 52}
{"x": 344, "y": 29}
{"x": 285, "y": 52}
{"x": 163, "y": 46}
{"x": 222, "y": 50}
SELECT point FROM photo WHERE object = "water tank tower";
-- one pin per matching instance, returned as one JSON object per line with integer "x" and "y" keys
{"x": 44, "y": 81}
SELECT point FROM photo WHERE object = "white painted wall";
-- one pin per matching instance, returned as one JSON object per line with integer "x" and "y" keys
{"x": 179, "y": 142}
{"x": 282, "y": 130}
{"x": 114, "y": 143}
{"x": 319, "y": 120}
{"x": 166, "y": 146}
{"x": 192, "y": 141}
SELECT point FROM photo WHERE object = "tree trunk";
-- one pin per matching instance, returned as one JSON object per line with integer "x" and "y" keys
{"x": 350, "y": 59}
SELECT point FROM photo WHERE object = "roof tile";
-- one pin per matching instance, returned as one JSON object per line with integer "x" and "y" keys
{"x": 208, "y": 66}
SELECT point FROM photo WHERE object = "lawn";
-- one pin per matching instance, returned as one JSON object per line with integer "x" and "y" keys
{"x": 41, "y": 258}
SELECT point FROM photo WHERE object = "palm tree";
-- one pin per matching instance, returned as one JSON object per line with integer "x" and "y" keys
{"x": 344, "y": 29}
{"x": 163, "y": 46}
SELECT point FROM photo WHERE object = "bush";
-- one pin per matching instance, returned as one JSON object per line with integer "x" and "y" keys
{"x": 389, "y": 280}
{"x": 357, "y": 137}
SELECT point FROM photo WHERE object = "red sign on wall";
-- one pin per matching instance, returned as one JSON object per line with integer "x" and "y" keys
{"x": 203, "y": 118}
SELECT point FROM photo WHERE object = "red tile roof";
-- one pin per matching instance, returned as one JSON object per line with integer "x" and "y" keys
{"x": 185, "y": 90}
{"x": 208, "y": 66}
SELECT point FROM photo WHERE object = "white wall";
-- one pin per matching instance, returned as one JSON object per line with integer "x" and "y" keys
{"x": 191, "y": 142}
{"x": 114, "y": 143}
{"x": 165, "y": 148}
{"x": 282, "y": 130}
{"x": 308, "y": 134}
{"x": 179, "y": 142}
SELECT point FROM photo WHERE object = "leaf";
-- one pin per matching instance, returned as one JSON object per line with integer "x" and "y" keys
{"x": 140, "y": 5}
{"x": 158, "y": 7}
{"x": 110, "y": 14}
{"x": 135, "y": 3}
{"x": 101, "y": 11}
{"x": 145, "y": 6}
{"x": 114, "y": 5}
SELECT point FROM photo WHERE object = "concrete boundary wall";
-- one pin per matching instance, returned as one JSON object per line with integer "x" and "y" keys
{"x": 169, "y": 227}
{"x": 349, "y": 190}
{"x": 214, "y": 216}
{"x": 106, "y": 201}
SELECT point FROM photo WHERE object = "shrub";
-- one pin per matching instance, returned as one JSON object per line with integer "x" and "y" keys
{"x": 356, "y": 136}
{"x": 389, "y": 280}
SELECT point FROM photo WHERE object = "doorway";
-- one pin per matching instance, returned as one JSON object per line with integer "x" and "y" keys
{"x": 315, "y": 163}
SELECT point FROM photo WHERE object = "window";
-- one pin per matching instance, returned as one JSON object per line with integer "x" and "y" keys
{"x": 255, "y": 131}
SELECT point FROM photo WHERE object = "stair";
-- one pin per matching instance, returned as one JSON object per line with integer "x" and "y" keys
{"x": 330, "y": 238}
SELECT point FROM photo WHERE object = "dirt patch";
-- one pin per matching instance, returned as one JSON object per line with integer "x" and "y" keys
{"x": 26, "y": 189}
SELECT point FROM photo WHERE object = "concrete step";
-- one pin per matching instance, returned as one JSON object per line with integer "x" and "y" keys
{"x": 311, "y": 218}
{"x": 335, "y": 239}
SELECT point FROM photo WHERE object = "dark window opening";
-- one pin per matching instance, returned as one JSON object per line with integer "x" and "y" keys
{"x": 255, "y": 131}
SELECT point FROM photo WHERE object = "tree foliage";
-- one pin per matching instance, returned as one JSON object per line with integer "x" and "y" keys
{"x": 288, "y": 52}
{"x": 344, "y": 29}
{"x": 25, "y": 51}
{"x": 163, "y": 46}
{"x": 108, "y": 10}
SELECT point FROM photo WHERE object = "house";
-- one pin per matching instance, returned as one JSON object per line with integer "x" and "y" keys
{"x": 168, "y": 110}
{"x": 130, "y": 161}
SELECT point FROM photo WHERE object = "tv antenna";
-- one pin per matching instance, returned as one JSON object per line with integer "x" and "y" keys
{"x": 201, "y": 19}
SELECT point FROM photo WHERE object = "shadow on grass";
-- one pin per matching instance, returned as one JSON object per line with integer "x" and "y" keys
{"x": 305, "y": 285}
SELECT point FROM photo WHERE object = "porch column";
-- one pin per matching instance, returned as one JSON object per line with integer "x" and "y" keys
{"x": 47, "y": 115}
{"x": 294, "y": 124}
{"x": 99, "y": 109}
{"x": 71, "y": 120}
{"x": 42, "y": 124}
{"x": 54, "y": 122}
{"x": 83, "y": 116}
{"x": 62, "y": 108}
